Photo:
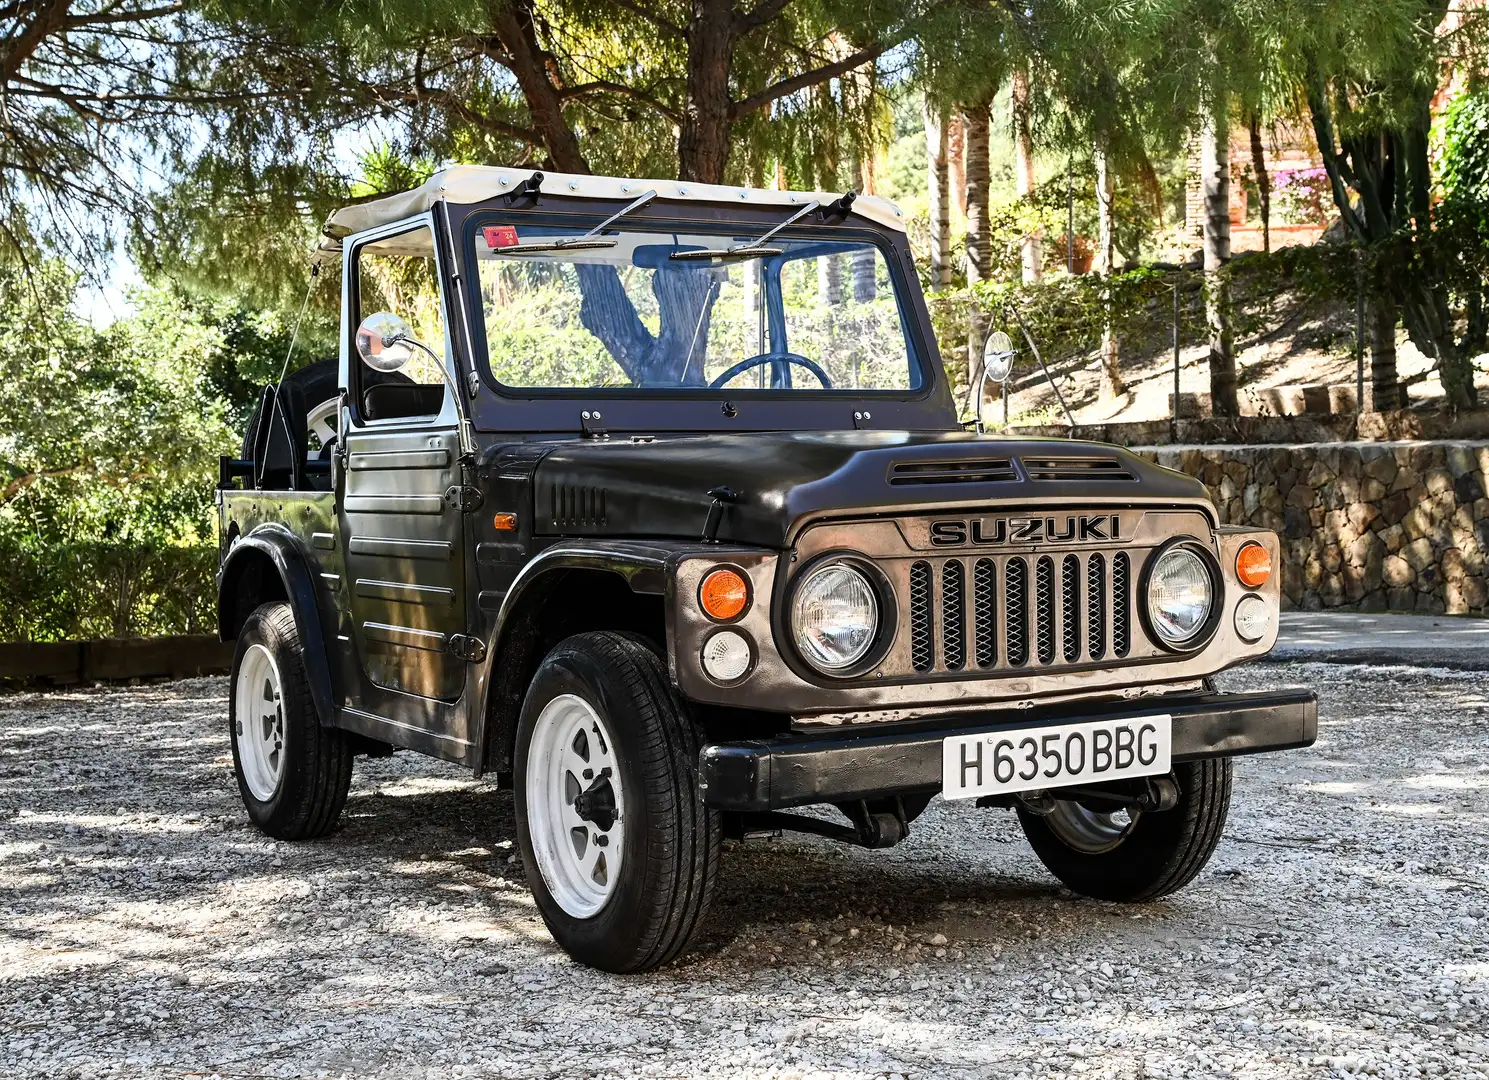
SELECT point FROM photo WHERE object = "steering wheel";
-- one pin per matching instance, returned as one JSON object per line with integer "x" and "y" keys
{"x": 771, "y": 358}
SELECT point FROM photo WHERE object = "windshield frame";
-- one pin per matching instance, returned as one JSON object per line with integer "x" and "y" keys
{"x": 928, "y": 406}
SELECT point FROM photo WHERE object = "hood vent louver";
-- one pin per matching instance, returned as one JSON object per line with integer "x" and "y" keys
{"x": 986, "y": 471}
{"x": 1075, "y": 468}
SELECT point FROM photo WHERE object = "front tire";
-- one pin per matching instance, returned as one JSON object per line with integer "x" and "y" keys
{"x": 292, "y": 773}
{"x": 1141, "y": 856}
{"x": 620, "y": 851}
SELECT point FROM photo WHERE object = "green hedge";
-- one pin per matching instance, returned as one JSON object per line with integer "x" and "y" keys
{"x": 84, "y": 590}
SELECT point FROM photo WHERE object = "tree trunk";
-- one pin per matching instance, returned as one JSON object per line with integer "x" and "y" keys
{"x": 979, "y": 242}
{"x": 1215, "y": 177}
{"x": 864, "y": 286}
{"x": 1023, "y": 150}
{"x": 517, "y": 33}
{"x": 1380, "y": 326}
{"x": 1105, "y": 263}
{"x": 703, "y": 136}
{"x": 956, "y": 170}
{"x": 940, "y": 203}
{"x": 1263, "y": 182}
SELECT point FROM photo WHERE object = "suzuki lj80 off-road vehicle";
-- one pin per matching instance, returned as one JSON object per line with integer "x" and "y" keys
{"x": 650, "y": 498}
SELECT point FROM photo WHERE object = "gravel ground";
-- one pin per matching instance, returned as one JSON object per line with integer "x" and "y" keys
{"x": 1341, "y": 929}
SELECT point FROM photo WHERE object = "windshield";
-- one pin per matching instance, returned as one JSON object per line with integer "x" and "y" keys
{"x": 805, "y": 315}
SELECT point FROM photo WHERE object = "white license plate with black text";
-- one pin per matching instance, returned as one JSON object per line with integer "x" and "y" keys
{"x": 1032, "y": 759}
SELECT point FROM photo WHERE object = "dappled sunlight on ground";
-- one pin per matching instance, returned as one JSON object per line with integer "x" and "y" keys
{"x": 146, "y": 930}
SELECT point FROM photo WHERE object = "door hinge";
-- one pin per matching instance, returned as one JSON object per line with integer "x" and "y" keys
{"x": 464, "y": 498}
{"x": 466, "y": 647}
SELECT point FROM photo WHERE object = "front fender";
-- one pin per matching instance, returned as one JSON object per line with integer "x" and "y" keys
{"x": 647, "y": 567}
{"x": 277, "y": 548}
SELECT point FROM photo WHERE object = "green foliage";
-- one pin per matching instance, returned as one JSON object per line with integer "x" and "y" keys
{"x": 108, "y": 449}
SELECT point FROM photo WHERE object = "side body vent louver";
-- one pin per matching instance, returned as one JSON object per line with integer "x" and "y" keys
{"x": 572, "y": 506}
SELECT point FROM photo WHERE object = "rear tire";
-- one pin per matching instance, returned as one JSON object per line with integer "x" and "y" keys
{"x": 620, "y": 851}
{"x": 1156, "y": 854}
{"x": 292, "y": 773}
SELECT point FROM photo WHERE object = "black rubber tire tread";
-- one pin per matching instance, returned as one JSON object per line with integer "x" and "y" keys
{"x": 317, "y": 381}
{"x": 318, "y": 760}
{"x": 1163, "y": 852}
{"x": 659, "y": 744}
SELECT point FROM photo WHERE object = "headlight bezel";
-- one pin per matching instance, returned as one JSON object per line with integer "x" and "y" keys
{"x": 884, "y": 631}
{"x": 1206, "y": 632}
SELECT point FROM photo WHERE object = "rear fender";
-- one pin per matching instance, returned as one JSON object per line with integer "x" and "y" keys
{"x": 265, "y": 566}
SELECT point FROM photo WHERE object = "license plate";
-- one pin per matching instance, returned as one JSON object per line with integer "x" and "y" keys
{"x": 1032, "y": 759}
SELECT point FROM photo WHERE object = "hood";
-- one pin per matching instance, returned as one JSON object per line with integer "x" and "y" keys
{"x": 659, "y": 487}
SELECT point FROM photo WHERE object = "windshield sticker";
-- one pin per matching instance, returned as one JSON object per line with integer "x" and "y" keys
{"x": 500, "y": 236}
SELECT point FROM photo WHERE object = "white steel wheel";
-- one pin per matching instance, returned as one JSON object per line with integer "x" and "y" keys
{"x": 259, "y": 726}
{"x": 576, "y": 805}
{"x": 1091, "y": 832}
{"x": 320, "y": 423}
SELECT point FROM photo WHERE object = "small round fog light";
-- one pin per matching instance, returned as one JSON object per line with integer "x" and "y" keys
{"x": 726, "y": 656}
{"x": 1253, "y": 618}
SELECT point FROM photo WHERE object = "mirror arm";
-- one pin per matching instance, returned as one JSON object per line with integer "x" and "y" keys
{"x": 465, "y": 428}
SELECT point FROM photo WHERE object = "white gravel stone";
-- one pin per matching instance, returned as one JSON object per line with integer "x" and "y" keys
{"x": 147, "y": 931}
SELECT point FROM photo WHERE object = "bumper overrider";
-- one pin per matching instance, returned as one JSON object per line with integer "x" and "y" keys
{"x": 803, "y": 768}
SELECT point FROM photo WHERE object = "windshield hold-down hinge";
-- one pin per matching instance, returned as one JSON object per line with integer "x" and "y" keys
{"x": 464, "y": 498}
{"x": 862, "y": 419}
{"x": 466, "y": 647}
{"x": 592, "y": 424}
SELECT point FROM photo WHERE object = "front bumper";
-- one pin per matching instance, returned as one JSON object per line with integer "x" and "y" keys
{"x": 800, "y": 769}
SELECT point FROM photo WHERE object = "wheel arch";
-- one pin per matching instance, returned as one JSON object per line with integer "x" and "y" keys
{"x": 621, "y": 585}
{"x": 264, "y": 567}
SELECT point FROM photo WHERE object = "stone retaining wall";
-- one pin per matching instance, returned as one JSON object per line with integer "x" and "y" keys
{"x": 1385, "y": 526}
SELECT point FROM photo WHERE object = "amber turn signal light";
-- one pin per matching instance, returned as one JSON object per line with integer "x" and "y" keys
{"x": 724, "y": 595}
{"x": 1253, "y": 565}
{"x": 504, "y": 522}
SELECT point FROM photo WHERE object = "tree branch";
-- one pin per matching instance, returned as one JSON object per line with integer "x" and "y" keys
{"x": 786, "y": 87}
{"x": 763, "y": 12}
{"x": 620, "y": 90}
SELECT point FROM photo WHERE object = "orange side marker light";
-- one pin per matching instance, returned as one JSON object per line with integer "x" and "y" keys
{"x": 505, "y": 522}
{"x": 1253, "y": 566}
{"x": 724, "y": 595}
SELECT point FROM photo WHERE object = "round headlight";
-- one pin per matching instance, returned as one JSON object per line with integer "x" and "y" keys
{"x": 1180, "y": 595}
{"x": 834, "y": 617}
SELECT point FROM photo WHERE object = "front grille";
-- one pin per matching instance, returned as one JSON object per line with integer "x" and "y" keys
{"x": 1016, "y": 611}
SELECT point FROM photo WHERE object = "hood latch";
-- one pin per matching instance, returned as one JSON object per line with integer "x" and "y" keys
{"x": 720, "y": 496}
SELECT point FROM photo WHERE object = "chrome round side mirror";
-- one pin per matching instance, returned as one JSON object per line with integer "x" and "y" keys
{"x": 384, "y": 341}
{"x": 997, "y": 357}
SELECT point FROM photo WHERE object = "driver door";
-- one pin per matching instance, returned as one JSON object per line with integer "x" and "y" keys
{"x": 404, "y": 539}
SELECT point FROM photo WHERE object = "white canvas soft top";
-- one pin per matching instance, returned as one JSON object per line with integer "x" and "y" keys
{"x": 477, "y": 183}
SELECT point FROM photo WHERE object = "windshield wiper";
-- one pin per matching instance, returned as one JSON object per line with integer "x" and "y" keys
{"x": 755, "y": 249}
{"x": 591, "y": 239}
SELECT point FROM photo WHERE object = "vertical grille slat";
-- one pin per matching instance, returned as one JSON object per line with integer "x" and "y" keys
{"x": 1044, "y": 609}
{"x": 922, "y": 647}
{"x": 1070, "y": 600}
{"x": 953, "y": 615}
{"x": 1096, "y": 606}
{"x": 1121, "y": 604}
{"x": 1015, "y": 611}
{"x": 985, "y": 616}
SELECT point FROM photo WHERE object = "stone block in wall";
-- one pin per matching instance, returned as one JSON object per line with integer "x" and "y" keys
{"x": 1419, "y": 554}
{"x": 1394, "y": 537}
{"x": 1397, "y": 573}
{"x": 1468, "y": 488}
{"x": 1401, "y": 599}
